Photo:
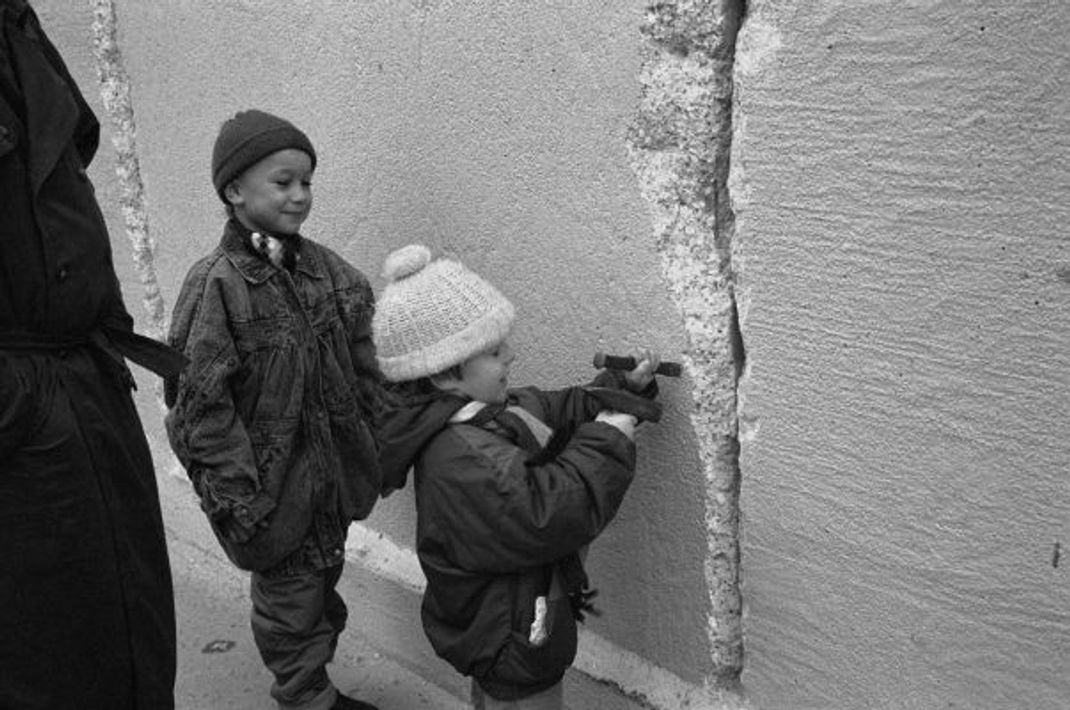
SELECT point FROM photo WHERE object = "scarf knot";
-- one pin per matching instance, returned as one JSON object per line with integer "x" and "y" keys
{"x": 282, "y": 253}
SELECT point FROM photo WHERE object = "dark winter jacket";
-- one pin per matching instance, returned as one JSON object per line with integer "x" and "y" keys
{"x": 86, "y": 606}
{"x": 273, "y": 419}
{"x": 497, "y": 522}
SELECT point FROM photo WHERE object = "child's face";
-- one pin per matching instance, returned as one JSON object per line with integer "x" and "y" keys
{"x": 275, "y": 194}
{"x": 485, "y": 377}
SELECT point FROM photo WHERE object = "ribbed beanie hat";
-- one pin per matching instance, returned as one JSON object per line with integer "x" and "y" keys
{"x": 433, "y": 315}
{"x": 248, "y": 137}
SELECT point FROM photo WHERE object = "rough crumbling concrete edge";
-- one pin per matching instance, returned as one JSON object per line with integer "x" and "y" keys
{"x": 115, "y": 93}
{"x": 679, "y": 148}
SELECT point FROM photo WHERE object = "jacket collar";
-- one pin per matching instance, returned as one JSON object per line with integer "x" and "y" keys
{"x": 468, "y": 412}
{"x": 523, "y": 427}
{"x": 253, "y": 267}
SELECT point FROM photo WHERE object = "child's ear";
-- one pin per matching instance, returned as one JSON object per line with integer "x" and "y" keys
{"x": 444, "y": 381}
{"x": 232, "y": 193}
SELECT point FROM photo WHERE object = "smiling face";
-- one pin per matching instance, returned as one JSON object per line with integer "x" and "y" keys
{"x": 274, "y": 195}
{"x": 484, "y": 377}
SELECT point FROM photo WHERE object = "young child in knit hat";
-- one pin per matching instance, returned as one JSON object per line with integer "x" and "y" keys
{"x": 273, "y": 418}
{"x": 511, "y": 484}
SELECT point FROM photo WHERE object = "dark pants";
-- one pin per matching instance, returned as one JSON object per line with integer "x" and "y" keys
{"x": 550, "y": 699}
{"x": 296, "y": 622}
{"x": 86, "y": 607}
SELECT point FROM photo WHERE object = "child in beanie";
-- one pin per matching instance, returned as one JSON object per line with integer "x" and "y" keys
{"x": 273, "y": 418}
{"x": 511, "y": 484}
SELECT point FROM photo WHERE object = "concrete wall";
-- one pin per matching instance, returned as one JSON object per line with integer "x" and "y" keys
{"x": 850, "y": 224}
{"x": 494, "y": 131}
{"x": 900, "y": 181}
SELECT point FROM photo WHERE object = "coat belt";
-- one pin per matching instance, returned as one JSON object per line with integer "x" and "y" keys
{"x": 117, "y": 344}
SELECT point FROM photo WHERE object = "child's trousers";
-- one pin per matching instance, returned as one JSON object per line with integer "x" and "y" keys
{"x": 553, "y": 698}
{"x": 296, "y": 622}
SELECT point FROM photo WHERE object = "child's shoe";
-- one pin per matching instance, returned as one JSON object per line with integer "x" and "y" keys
{"x": 346, "y": 703}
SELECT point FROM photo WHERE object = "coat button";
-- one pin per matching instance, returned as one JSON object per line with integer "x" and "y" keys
{"x": 61, "y": 275}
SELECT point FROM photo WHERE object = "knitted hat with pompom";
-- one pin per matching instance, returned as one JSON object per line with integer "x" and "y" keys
{"x": 433, "y": 315}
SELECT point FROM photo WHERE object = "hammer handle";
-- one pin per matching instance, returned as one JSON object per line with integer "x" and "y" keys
{"x": 627, "y": 362}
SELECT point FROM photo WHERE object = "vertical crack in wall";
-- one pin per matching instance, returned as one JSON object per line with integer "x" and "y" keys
{"x": 115, "y": 92}
{"x": 679, "y": 148}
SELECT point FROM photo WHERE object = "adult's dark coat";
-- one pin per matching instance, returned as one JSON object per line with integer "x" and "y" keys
{"x": 86, "y": 609}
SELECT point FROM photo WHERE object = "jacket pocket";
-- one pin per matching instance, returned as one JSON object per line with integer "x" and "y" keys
{"x": 270, "y": 377}
{"x": 280, "y": 501}
{"x": 530, "y": 662}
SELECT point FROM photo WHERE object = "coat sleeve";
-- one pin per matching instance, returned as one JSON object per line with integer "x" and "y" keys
{"x": 565, "y": 409}
{"x": 203, "y": 425}
{"x": 357, "y": 308}
{"x": 495, "y": 513}
{"x": 362, "y": 348}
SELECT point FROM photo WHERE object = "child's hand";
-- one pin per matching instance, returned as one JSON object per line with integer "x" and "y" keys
{"x": 624, "y": 423}
{"x": 235, "y": 531}
{"x": 643, "y": 374}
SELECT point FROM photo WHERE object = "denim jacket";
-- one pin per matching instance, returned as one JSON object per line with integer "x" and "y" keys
{"x": 274, "y": 417}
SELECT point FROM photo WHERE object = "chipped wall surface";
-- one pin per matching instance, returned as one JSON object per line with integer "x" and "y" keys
{"x": 679, "y": 149}
{"x": 502, "y": 133}
{"x": 900, "y": 181}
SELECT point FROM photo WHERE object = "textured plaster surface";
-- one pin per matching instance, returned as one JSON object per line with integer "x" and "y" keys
{"x": 496, "y": 132}
{"x": 900, "y": 181}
